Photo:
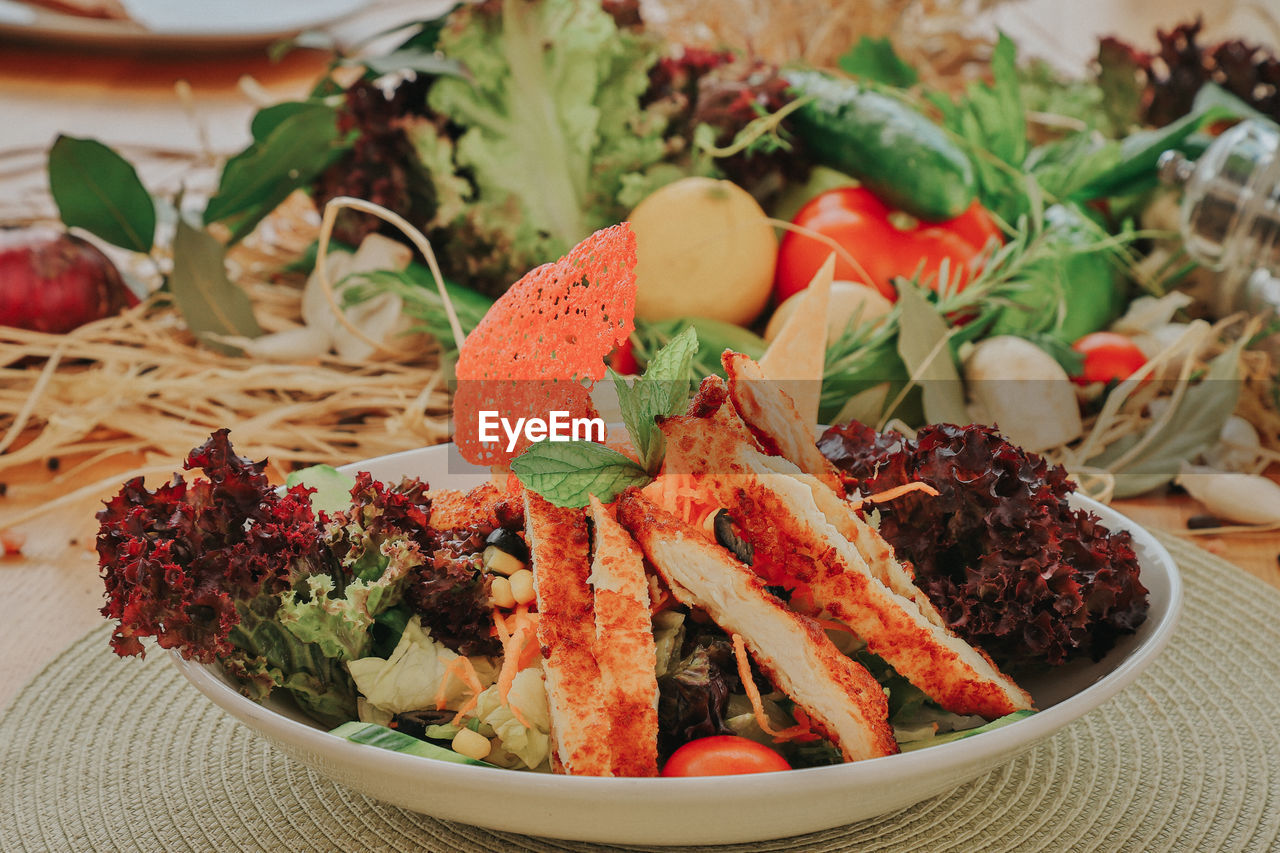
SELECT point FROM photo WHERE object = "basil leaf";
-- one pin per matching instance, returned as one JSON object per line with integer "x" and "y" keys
{"x": 923, "y": 344}
{"x": 567, "y": 473}
{"x": 209, "y": 301}
{"x": 96, "y": 189}
{"x": 875, "y": 60}
{"x": 662, "y": 390}
{"x": 300, "y": 142}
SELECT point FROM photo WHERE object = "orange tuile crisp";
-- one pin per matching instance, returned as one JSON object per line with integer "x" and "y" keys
{"x": 542, "y": 345}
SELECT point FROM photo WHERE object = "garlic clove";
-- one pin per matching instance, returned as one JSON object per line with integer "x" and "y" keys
{"x": 377, "y": 318}
{"x": 1238, "y": 449}
{"x": 1243, "y": 498}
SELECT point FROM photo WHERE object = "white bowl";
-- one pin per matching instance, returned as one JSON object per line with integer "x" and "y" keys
{"x": 703, "y": 810}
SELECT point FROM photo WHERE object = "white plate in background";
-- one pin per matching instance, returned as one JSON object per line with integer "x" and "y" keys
{"x": 178, "y": 24}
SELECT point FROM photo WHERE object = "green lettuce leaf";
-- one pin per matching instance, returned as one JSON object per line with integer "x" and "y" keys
{"x": 519, "y": 746}
{"x": 268, "y": 655}
{"x": 410, "y": 679}
{"x": 552, "y": 125}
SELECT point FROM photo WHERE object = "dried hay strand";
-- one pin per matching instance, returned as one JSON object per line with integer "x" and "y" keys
{"x": 138, "y": 383}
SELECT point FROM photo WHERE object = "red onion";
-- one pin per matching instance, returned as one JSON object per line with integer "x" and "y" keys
{"x": 51, "y": 281}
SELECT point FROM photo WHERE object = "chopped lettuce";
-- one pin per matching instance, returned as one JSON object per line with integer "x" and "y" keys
{"x": 332, "y": 487}
{"x": 551, "y": 125}
{"x": 340, "y": 625}
{"x": 518, "y": 746}
{"x": 410, "y": 679}
{"x": 948, "y": 737}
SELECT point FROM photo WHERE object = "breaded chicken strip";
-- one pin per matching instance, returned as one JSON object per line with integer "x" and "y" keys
{"x": 560, "y": 552}
{"x": 840, "y": 696}
{"x": 484, "y": 505}
{"x": 794, "y": 543}
{"x": 625, "y": 649}
{"x": 774, "y": 419}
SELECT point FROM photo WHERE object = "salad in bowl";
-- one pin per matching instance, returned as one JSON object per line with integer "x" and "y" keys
{"x": 706, "y": 592}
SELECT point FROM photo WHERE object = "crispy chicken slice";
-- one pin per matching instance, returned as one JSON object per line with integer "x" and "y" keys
{"x": 560, "y": 551}
{"x": 795, "y": 542}
{"x": 774, "y": 419}
{"x": 874, "y": 548}
{"x": 840, "y": 696}
{"x": 484, "y": 505}
{"x": 625, "y": 649}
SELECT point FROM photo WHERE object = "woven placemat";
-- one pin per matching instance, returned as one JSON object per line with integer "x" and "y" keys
{"x": 102, "y": 754}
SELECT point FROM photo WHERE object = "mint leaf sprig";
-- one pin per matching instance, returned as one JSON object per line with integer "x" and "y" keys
{"x": 567, "y": 473}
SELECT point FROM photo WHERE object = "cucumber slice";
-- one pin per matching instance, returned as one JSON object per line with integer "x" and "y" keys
{"x": 382, "y": 737}
{"x": 332, "y": 487}
{"x": 950, "y": 736}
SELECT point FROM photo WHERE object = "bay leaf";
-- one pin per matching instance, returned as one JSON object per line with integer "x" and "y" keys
{"x": 923, "y": 343}
{"x": 209, "y": 301}
{"x": 96, "y": 189}
{"x": 300, "y": 141}
{"x": 1192, "y": 427}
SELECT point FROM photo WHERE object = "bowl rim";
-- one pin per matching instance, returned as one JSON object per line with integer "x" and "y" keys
{"x": 939, "y": 759}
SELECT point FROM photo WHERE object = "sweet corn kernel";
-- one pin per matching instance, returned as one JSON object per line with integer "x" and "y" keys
{"x": 471, "y": 744}
{"x": 500, "y": 562}
{"x": 500, "y": 593}
{"x": 522, "y": 587}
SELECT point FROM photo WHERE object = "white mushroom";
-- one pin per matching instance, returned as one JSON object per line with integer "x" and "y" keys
{"x": 1020, "y": 388}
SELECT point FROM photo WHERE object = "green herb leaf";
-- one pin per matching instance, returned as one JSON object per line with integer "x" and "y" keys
{"x": 293, "y": 144}
{"x": 991, "y": 121}
{"x": 96, "y": 189}
{"x": 427, "y": 62}
{"x": 417, "y": 290}
{"x": 875, "y": 60}
{"x": 662, "y": 390}
{"x": 714, "y": 337}
{"x": 566, "y": 473}
{"x": 1192, "y": 427}
{"x": 209, "y": 301}
{"x": 923, "y": 343}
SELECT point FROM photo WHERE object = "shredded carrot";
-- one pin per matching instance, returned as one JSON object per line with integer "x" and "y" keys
{"x": 500, "y": 628}
{"x": 451, "y": 668}
{"x": 462, "y": 668}
{"x": 466, "y": 708}
{"x": 679, "y": 494}
{"x": 757, "y": 705}
{"x": 898, "y": 491}
{"x": 519, "y": 646}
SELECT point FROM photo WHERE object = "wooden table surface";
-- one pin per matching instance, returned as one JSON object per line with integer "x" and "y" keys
{"x": 53, "y": 591}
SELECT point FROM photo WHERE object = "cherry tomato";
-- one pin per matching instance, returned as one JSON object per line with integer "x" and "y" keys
{"x": 623, "y": 359}
{"x": 866, "y": 227}
{"x": 1108, "y": 357}
{"x": 723, "y": 755}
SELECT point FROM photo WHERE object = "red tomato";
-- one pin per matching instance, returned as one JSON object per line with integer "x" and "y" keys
{"x": 723, "y": 755}
{"x": 861, "y": 223}
{"x": 1108, "y": 357}
{"x": 623, "y": 359}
